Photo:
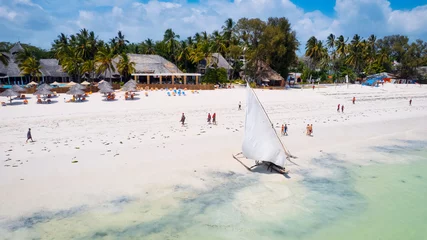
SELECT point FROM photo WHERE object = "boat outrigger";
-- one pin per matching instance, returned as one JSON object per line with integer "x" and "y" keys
{"x": 261, "y": 142}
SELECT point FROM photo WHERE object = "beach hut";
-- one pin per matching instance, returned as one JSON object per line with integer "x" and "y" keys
{"x": 9, "y": 93}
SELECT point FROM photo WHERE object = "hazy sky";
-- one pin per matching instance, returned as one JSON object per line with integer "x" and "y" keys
{"x": 39, "y": 21}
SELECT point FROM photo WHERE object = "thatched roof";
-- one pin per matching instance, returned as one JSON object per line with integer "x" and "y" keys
{"x": 17, "y": 88}
{"x": 106, "y": 90}
{"x": 9, "y": 93}
{"x": 75, "y": 91}
{"x": 78, "y": 86}
{"x": 129, "y": 88}
{"x": 51, "y": 67}
{"x": 43, "y": 91}
{"x": 145, "y": 63}
{"x": 220, "y": 61}
{"x": 265, "y": 72}
{"x": 44, "y": 86}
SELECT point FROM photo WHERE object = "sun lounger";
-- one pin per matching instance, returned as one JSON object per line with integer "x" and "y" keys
{"x": 169, "y": 94}
{"x": 49, "y": 101}
{"x": 39, "y": 101}
{"x": 3, "y": 104}
{"x": 183, "y": 93}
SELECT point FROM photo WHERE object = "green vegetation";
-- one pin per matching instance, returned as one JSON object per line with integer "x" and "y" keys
{"x": 272, "y": 41}
{"x": 215, "y": 75}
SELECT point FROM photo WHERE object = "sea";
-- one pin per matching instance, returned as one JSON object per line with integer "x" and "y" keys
{"x": 334, "y": 199}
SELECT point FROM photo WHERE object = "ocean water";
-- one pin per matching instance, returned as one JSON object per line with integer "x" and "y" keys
{"x": 335, "y": 200}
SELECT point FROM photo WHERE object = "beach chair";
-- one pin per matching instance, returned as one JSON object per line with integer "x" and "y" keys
{"x": 183, "y": 93}
{"x": 22, "y": 96}
{"x": 83, "y": 98}
{"x": 146, "y": 94}
{"x": 132, "y": 96}
{"x": 49, "y": 101}
{"x": 39, "y": 101}
{"x": 169, "y": 94}
{"x": 3, "y": 104}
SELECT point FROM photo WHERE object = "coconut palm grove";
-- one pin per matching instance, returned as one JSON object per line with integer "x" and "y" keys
{"x": 249, "y": 41}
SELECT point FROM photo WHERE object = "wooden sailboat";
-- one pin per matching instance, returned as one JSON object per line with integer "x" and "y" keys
{"x": 261, "y": 142}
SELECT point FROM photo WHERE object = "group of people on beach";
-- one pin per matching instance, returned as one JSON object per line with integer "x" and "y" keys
{"x": 213, "y": 118}
{"x": 342, "y": 108}
{"x": 284, "y": 130}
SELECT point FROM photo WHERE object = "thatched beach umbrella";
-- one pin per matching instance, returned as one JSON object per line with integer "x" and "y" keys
{"x": 78, "y": 86}
{"x": 129, "y": 88}
{"x": 54, "y": 83}
{"x": 43, "y": 91}
{"x": 75, "y": 92}
{"x": 104, "y": 84}
{"x": 44, "y": 86}
{"x": 106, "y": 90}
{"x": 18, "y": 89}
{"x": 9, "y": 93}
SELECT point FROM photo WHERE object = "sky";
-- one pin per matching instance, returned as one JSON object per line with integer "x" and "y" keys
{"x": 39, "y": 22}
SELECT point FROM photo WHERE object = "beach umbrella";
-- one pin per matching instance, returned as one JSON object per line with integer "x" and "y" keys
{"x": 44, "y": 86}
{"x": 32, "y": 84}
{"x": 75, "y": 91}
{"x": 85, "y": 83}
{"x": 43, "y": 91}
{"x": 54, "y": 83}
{"x": 9, "y": 93}
{"x": 106, "y": 90}
{"x": 70, "y": 84}
{"x": 129, "y": 88}
{"x": 78, "y": 86}
{"x": 17, "y": 88}
{"x": 104, "y": 84}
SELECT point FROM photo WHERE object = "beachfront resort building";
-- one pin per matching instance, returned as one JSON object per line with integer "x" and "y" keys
{"x": 266, "y": 75}
{"x": 149, "y": 69}
{"x": 11, "y": 74}
{"x": 215, "y": 61}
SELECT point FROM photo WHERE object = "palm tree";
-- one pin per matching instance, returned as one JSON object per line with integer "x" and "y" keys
{"x": 148, "y": 46}
{"x": 71, "y": 62}
{"x": 172, "y": 43}
{"x": 60, "y": 45}
{"x": 227, "y": 30}
{"x": 23, "y": 55}
{"x": 104, "y": 59}
{"x": 89, "y": 67}
{"x": 125, "y": 66}
{"x": 86, "y": 44}
{"x": 355, "y": 54}
{"x": 341, "y": 46}
{"x": 315, "y": 50}
{"x": 4, "y": 58}
{"x": 31, "y": 67}
{"x": 119, "y": 43}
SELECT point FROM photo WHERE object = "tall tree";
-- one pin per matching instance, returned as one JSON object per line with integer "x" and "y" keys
{"x": 104, "y": 59}
{"x": 171, "y": 40}
{"x": 4, "y": 58}
{"x": 31, "y": 67}
{"x": 125, "y": 66}
{"x": 119, "y": 43}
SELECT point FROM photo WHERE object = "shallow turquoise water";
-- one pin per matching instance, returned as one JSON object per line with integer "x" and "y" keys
{"x": 379, "y": 201}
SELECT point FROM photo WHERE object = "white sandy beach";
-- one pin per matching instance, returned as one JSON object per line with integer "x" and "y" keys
{"x": 138, "y": 148}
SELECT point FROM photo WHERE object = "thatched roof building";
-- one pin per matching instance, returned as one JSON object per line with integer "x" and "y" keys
{"x": 50, "y": 68}
{"x": 266, "y": 74}
{"x": 216, "y": 61}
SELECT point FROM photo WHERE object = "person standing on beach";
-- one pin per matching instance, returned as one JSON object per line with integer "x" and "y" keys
{"x": 29, "y": 137}
{"x": 209, "y": 118}
{"x": 307, "y": 130}
{"x": 410, "y": 102}
{"x": 214, "y": 119}
{"x": 354, "y": 100}
{"x": 240, "y": 106}
{"x": 342, "y": 108}
{"x": 183, "y": 119}
{"x": 338, "y": 109}
{"x": 285, "y": 131}
{"x": 310, "y": 130}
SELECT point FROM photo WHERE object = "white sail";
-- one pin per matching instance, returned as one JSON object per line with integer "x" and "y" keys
{"x": 261, "y": 142}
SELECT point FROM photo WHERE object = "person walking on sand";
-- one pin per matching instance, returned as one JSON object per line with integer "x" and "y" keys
{"x": 311, "y": 130}
{"x": 342, "y": 108}
{"x": 307, "y": 129}
{"x": 410, "y": 102}
{"x": 182, "y": 119}
{"x": 209, "y": 118}
{"x": 240, "y": 106}
{"x": 214, "y": 119}
{"x": 282, "y": 132}
{"x": 285, "y": 131}
{"x": 338, "y": 109}
{"x": 29, "y": 137}
{"x": 354, "y": 100}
